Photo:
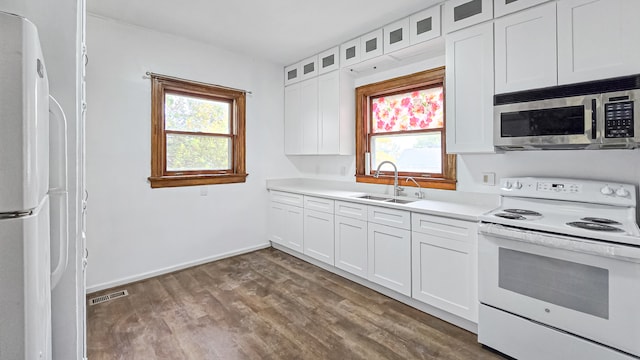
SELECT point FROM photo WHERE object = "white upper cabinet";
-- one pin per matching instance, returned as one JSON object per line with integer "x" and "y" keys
{"x": 425, "y": 25}
{"x": 309, "y": 68}
{"x": 309, "y": 115}
{"x": 329, "y": 60}
{"x": 292, "y": 74}
{"x": 292, "y": 123}
{"x": 396, "y": 36}
{"x": 371, "y": 45}
{"x": 597, "y": 39}
{"x": 504, "y": 7}
{"x": 319, "y": 114}
{"x": 469, "y": 84}
{"x": 459, "y": 14}
{"x": 525, "y": 50}
{"x": 350, "y": 53}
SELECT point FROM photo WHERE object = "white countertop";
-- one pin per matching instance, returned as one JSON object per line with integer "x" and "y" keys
{"x": 467, "y": 206}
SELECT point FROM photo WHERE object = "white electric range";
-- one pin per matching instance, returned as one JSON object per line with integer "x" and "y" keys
{"x": 559, "y": 270}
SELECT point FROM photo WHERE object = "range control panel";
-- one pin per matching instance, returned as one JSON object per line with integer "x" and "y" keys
{"x": 588, "y": 191}
{"x": 556, "y": 187}
{"x": 618, "y": 120}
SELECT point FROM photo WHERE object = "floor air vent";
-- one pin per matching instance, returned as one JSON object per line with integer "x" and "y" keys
{"x": 105, "y": 298}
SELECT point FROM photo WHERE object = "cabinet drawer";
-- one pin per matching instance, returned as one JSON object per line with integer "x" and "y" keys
{"x": 287, "y": 198}
{"x": 318, "y": 204}
{"x": 444, "y": 227}
{"x": 390, "y": 217}
{"x": 352, "y": 210}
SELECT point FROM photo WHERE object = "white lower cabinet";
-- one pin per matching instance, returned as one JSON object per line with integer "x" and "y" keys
{"x": 389, "y": 257}
{"x": 318, "y": 235}
{"x": 351, "y": 245}
{"x": 444, "y": 261}
{"x": 285, "y": 225}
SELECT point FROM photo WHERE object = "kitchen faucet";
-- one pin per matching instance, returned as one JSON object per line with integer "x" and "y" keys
{"x": 396, "y": 188}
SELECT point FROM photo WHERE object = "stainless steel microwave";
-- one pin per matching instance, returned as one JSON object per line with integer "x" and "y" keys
{"x": 593, "y": 115}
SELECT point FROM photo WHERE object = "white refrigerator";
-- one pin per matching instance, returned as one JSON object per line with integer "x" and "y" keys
{"x": 33, "y": 193}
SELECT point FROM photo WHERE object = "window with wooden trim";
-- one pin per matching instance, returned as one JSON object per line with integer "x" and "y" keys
{"x": 197, "y": 133}
{"x": 402, "y": 120}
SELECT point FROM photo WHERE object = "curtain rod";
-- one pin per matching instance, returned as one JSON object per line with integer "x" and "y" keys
{"x": 149, "y": 74}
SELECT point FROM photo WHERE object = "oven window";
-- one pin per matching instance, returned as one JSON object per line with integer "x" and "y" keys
{"x": 571, "y": 285}
{"x": 544, "y": 122}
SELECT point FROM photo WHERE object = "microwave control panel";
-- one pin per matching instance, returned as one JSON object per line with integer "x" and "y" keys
{"x": 618, "y": 120}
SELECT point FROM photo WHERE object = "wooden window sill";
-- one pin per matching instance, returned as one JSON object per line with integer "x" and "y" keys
{"x": 194, "y": 180}
{"x": 435, "y": 183}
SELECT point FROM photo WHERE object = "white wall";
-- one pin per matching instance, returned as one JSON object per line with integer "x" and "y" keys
{"x": 135, "y": 231}
{"x": 58, "y": 30}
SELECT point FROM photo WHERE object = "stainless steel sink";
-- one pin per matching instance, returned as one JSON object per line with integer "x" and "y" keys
{"x": 385, "y": 199}
{"x": 399, "y": 201}
{"x": 373, "y": 197}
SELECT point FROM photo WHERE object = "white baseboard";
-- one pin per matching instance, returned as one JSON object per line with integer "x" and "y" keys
{"x": 150, "y": 274}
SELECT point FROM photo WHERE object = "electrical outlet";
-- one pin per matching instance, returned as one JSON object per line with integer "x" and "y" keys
{"x": 343, "y": 170}
{"x": 204, "y": 191}
{"x": 489, "y": 179}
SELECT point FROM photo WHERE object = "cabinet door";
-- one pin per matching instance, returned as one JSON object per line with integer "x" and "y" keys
{"x": 351, "y": 245}
{"x": 425, "y": 25}
{"x": 285, "y": 225}
{"x": 504, "y": 7}
{"x": 350, "y": 53}
{"x": 371, "y": 45}
{"x": 596, "y": 39}
{"x": 329, "y": 113}
{"x": 525, "y": 50}
{"x": 444, "y": 274}
{"x": 389, "y": 257}
{"x": 309, "y": 115}
{"x": 329, "y": 60}
{"x": 292, "y": 119}
{"x": 292, "y": 74}
{"x": 318, "y": 235}
{"x": 459, "y": 14}
{"x": 396, "y": 36}
{"x": 469, "y": 83}
{"x": 309, "y": 68}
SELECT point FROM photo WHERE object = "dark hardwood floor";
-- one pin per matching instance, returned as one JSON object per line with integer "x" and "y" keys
{"x": 266, "y": 305}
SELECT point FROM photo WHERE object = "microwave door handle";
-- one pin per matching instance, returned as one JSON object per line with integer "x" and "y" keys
{"x": 594, "y": 118}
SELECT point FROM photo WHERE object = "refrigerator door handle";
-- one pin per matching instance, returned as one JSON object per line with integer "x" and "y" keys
{"x": 58, "y": 192}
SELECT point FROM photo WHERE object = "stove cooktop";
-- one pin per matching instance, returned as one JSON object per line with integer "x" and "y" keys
{"x": 584, "y": 220}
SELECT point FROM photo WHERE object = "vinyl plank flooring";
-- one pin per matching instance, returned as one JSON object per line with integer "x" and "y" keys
{"x": 266, "y": 305}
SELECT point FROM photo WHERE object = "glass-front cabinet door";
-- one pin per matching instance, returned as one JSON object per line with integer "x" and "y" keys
{"x": 459, "y": 14}
{"x": 425, "y": 25}
{"x": 329, "y": 60}
{"x": 396, "y": 36}
{"x": 371, "y": 45}
{"x": 350, "y": 53}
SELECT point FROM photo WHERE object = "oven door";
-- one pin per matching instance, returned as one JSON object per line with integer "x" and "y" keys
{"x": 565, "y": 123}
{"x": 587, "y": 288}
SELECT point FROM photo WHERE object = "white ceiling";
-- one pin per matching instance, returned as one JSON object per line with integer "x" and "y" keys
{"x": 283, "y": 31}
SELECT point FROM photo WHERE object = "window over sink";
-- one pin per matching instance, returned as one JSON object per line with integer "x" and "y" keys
{"x": 402, "y": 120}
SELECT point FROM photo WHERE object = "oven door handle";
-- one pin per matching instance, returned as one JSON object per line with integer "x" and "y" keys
{"x": 610, "y": 250}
